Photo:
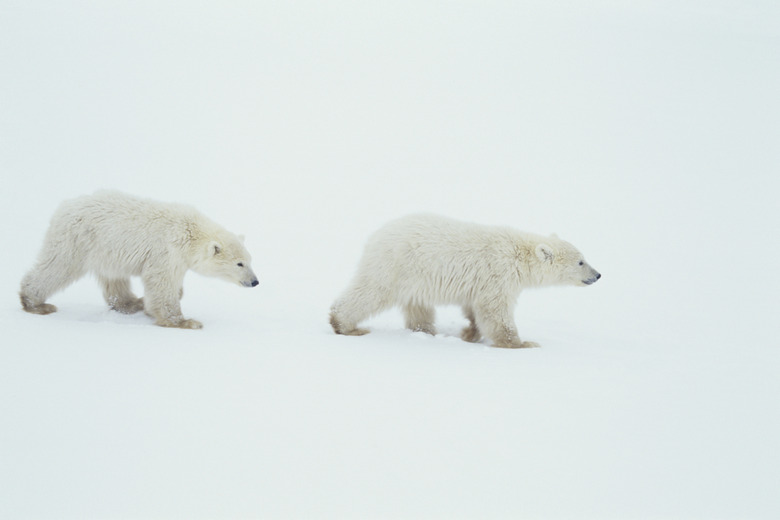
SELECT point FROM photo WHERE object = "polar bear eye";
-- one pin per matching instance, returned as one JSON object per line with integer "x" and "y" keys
{"x": 240, "y": 264}
{"x": 581, "y": 262}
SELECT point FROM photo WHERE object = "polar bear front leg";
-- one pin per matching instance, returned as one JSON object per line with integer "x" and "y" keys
{"x": 161, "y": 299}
{"x": 497, "y": 323}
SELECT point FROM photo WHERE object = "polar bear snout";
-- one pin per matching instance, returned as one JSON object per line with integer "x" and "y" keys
{"x": 586, "y": 274}
{"x": 250, "y": 283}
{"x": 250, "y": 280}
{"x": 592, "y": 279}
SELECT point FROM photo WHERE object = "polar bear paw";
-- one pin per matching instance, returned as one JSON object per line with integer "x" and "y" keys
{"x": 353, "y": 332}
{"x": 516, "y": 344}
{"x": 347, "y": 329}
{"x": 41, "y": 308}
{"x": 128, "y": 306}
{"x": 471, "y": 334}
{"x": 180, "y": 324}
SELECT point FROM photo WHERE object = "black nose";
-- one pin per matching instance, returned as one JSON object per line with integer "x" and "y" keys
{"x": 598, "y": 276}
{"x": 255, "y": 283}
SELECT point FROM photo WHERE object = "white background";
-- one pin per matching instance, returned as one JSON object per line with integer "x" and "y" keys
{"x": 646, "y": 133}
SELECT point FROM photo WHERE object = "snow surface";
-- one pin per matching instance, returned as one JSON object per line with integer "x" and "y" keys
{"x": 646, "y": 133}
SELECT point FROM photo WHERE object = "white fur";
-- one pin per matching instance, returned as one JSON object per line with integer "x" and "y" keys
{"x": 116, "y": 236}
{"x": 420, "y": 261}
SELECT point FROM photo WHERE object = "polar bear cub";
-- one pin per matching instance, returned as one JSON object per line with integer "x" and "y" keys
{"x": 116, "y": 236}
{"x": 419, "y": 261}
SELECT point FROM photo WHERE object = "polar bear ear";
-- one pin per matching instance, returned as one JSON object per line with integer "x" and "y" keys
{"x": 544, "y": 253}
{"x": 214, "y": 248}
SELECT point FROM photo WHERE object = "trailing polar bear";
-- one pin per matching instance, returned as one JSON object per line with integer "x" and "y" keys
{"x": 419, "y": 261}
{"x": 116, "y": 236}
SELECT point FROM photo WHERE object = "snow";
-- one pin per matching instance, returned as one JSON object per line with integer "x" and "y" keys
{"x": 644, "y": 133}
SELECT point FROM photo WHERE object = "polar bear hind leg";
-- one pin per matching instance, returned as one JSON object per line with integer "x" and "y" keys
{"x": 420, "y": 318}
{"x": 360, "y": 302}
{"x": 52, "y": 273}
{"x": 471, "y": 333}
{"x": 119, "y": 297}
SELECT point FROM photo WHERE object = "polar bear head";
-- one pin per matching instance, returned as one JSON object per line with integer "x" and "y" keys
{"x": 561, "y": 263}
{"x": 226, "y": 257}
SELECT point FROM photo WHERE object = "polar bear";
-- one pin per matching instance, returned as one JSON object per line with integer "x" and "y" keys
{"x": 419, "y": 261}
{"x": 116, "y": 236}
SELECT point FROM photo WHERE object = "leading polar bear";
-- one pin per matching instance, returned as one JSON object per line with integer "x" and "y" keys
{"x": 420, "y": 261}
{"x": 116, "y": 236}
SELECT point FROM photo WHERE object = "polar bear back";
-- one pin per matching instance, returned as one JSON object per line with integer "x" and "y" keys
{"x": 434, "y": 259}
{"x": 114, "y": 234}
